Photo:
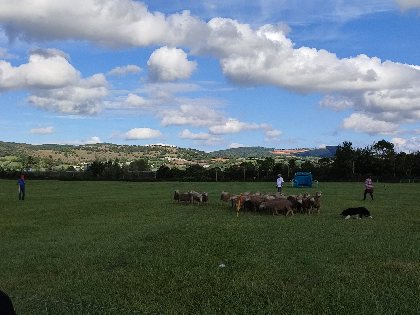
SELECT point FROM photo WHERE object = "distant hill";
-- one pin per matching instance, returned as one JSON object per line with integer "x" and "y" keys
{"x": 262, "y": 152}
{"x": 327, "y": 152}
{"x": 101, "y": 151}
{"x": 156, "y": 154}
{"x": 243, "y": 152}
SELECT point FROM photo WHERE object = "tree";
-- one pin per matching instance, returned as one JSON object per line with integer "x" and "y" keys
{"x": 29, "y": 162}
{"x": 195, "y": 172}
{"x": 344, "y": 161}
{"x": 265, "y": 167}
{"x": 249, "y": 170}
{"x": 96, "y": 168}
{"x": 292, "y": 166}
{"x": 139, "y": 165}
{"x": 385, "y": 157}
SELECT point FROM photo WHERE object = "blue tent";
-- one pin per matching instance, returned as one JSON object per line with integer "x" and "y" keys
{"x": 302, "y": 179}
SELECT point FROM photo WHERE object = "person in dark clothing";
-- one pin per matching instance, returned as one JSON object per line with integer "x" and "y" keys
{"x": 368, "y": 188}
{"x": 21, "y": 187}
{"x": 6, "y": 305}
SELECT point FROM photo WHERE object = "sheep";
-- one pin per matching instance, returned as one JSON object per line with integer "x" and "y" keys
{"x": 252, "y": 202}
{"x": 181, "y": 197}
{"x": 239, "y": 203}
{"x": 277, "y": 205}
{"x": 269, "y": 197}
{"x": 306, "y": 203}
{"x": 176, "y": 195}
{"x": 205, "y": 197}
{"x": 225, "y": 196}
{"x": 296, "y": 202}
{"x": 196, "y": 196}
{"x": 234, "y": 200}
{"x": 316, "y": 204}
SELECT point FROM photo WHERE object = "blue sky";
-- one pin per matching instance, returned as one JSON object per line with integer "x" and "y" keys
{"x": 211, "y": 75}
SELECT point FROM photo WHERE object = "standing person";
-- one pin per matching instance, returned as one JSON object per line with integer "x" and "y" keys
{"x": 279, "y": 183}
{"x": 368, "y": 187}
{"x": 21, "y": 187}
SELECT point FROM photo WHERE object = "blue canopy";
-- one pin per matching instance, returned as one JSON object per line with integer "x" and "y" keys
{"x": 302, "y": 179}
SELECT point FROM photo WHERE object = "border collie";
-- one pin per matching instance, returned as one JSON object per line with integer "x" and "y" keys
{"x": 359, "y": 212}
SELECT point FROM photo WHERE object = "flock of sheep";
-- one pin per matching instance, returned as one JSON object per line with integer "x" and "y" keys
{"x": 257, "y": 202}
{"x": 274, "y": 203}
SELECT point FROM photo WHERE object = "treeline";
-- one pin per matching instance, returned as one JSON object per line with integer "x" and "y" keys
{"x": 349, "y": 164}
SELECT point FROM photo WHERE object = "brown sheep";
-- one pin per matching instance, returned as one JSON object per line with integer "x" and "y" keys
{"x": 306, "y": 204}
{"x": 225, "y": 196}
{"x": 252, "y": 202}
{"x": 316, "y": 203}
{"x": 277, "y": 206}
{"x": 296, "y": 202}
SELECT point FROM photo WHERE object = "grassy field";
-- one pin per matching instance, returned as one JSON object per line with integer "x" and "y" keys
{"x": 127, "y": 248}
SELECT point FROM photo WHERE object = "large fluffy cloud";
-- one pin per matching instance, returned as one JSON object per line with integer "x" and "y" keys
{"x": 54, "y": 83}
{"x": 169, "y": 64}
{"x": 363, "y": 123}
{"x": 109, "y": 22}
{"x": 83, "y": 97}
{"x": 45, "y": 69}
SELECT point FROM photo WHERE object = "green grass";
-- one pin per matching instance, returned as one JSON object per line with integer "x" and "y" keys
{"x": 126, "y": 248}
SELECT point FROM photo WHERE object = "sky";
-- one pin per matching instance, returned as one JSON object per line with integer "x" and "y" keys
{"x": 211, "y": 75}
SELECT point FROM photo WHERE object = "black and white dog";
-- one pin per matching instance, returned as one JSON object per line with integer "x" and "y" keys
{"x": 359, "y": 212}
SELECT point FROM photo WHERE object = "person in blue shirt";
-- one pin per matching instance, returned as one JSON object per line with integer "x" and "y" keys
{"x": 21, "y": 187}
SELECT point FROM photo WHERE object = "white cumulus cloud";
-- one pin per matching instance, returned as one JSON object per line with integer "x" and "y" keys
{"x": 187, "y": 134}
{"x": 194, "y": 115}
{"x": 234, "y": 126}
{"x": 134, "y": 100}
{"x": 407, "y": 145}
{"x": 83, "y": 97}
{"x": 54, "y": 83}
{"x": 45, "y": 69}
{"x": 108, "y": 22}
{"x": 363, "y": 123}
{"x": 170, "y": 64}
{"x": 42, "y": 130}
{"x": 142, "y": 134}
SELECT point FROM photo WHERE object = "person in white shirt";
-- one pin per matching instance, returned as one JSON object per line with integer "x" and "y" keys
{"x": 279, "y": 183}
